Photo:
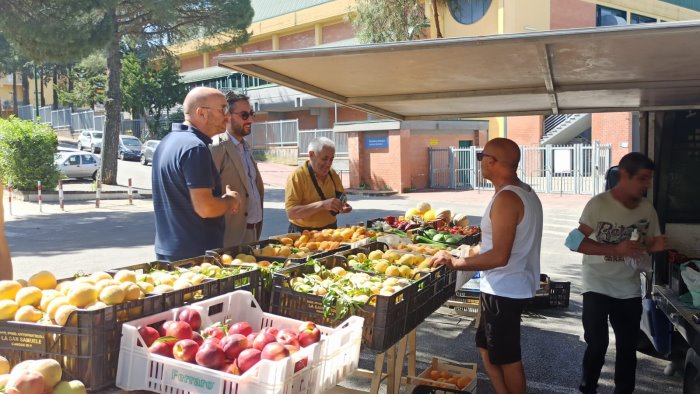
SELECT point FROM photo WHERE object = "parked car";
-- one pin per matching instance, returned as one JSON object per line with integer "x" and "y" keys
{"x": 77, "y": 164}
{"x": 129, "y": 148}
{"x": 148, "y": 148}
{"x": 91, "y": 139}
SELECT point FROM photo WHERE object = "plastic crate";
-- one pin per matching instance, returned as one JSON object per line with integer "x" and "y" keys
{"x": 141, "y": 370}
{"x": 385, "y": 322}
{"x": 424, "y": 384}
{"x": 247, "y": 279}
{"x": 432, "y": 291}
{"x": 559, "y": 293}
{"x": 465, "y": 302}
{"x": 87, "y": 347}
{"x": 341, "y": 353}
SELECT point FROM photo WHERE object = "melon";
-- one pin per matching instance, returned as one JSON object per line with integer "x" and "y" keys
{"x": 422, "y": 207}
{"x": 411, "y": 213}
{"x": 429, "y": 215}
{"x": 460, "y": 219}
{"x": 443, "y": 214}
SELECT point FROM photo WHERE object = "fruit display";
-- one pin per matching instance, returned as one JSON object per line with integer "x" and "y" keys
{"x": 343, "y": 291}
{"x": 449, "y": 235}
{"x": 36, "y": 377}
{"x": 224, "y": 346}
{"x": 390, "y": 263}
{"x": 428, "y": 249}
{"x": 327, "y": 239}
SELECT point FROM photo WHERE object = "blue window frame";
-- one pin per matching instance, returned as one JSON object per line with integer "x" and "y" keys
{"x": 606, "y": 16}
{"x": 467, "y": 12}
{"x": 636, "y": 18}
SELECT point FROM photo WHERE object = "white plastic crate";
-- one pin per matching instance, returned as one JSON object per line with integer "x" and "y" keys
{"x": 140, "y": 370}
{"x": 341, "y": 353}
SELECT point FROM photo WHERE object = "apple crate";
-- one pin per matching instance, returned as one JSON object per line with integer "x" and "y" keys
{"x": 425, "y": 384}
{"x": 141, "y": 370}
{"x": 385, "y": 322}
{"x": 87, "y": 347}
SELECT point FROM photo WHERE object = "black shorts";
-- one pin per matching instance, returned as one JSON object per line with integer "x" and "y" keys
{"x": 499, "y": 328}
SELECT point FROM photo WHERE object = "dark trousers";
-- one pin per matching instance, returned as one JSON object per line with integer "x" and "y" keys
{"x": 624, "y": 315}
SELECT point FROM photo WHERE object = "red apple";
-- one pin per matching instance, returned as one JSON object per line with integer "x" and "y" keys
{"x": 288, "y": 338}
{"x": 191, "y": 317}
{"x": 213, "y": 331}
{"x": 210, "y": 356}
{"x": 274, "y": 351}
{"x": 163, "y": 346}
{"x": 148, "y": 334}
{"x": 271, "y": 330}
{"x": 301, "y": 364}
{"x": 308, "y": 333}
{"x": 163, "y": 327}
{"x": 263, "y": 339}
{"x": 233, "y": 345}
{"x": 197, "y": 337}
{"x": 242, "y": 328}
{"x": 247, "y": 359}
{"x": 179, "y": 330}
{"x": 185, "y": 350}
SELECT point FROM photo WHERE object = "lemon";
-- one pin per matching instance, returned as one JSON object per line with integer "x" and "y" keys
{"x": 392, "y": 271}
{"x": 8, "y": 308}
{"x": 44, "y": 280}
{"x": 9, "y": 289}
{"x": 82, "y": 294}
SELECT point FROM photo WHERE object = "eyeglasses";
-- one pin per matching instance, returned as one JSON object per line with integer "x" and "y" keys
{"x": 245, "y": 114}
{"x": 224, "y": 109}
{"x": 480, "y": 156}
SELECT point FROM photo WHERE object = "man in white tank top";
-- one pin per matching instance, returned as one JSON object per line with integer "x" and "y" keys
{"x": 511, "y": 237}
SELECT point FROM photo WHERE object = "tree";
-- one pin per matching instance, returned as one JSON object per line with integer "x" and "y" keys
{"x": 61, "y": 30}
{"x": 90, "y": 76}
{"x": 151, "y": 88}
{"x": 389, "y": 20}
{"x": 10, "y": 63}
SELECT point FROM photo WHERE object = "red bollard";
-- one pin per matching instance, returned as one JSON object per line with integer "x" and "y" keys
{"x": 131, "y": 202}
{"x": 39, "y": 194}
{"x": 60, "y": 194}
{"x": 9, "y": 193}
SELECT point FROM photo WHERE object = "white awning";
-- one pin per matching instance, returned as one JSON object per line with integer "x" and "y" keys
{"x": 620, "y": 68}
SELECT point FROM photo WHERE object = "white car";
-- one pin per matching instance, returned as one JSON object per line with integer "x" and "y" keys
{"x": 91, "y": 139}
{"x": 77, "y": 164}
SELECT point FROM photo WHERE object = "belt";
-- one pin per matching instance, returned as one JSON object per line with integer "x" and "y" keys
{"x": 252, "y": 226}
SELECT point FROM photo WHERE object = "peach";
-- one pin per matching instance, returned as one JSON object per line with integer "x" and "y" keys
{"x": 191, "y": 317}
{"x": 263, "y": 339}
{"x": 26, "y": 382}
{"x": 210, "y": 356}
{"x": 242, "y": 328}
{"x": 163, "y": 347}
{"x": 213, "y": 331}
{"x": 247, "y": 359}
{"x": 179, "y": 329}
{"x": 308, "y": 334}
{"x": 288, "y": 338}
{"x": 271, "y": 330}
{"x": 148, "y": 334}
{"x": 185, "y": 350}
{"x": 274, "y": 351}
{"x": 233, "y": 345}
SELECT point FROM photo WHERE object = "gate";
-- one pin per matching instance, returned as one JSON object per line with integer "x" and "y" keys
{"x": 563, "y": 169}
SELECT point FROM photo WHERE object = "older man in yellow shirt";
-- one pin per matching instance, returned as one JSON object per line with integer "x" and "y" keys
{"x": 314, "y": 193}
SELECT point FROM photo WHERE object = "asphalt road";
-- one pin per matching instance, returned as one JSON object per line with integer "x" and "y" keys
{"x": 87, "y": 239}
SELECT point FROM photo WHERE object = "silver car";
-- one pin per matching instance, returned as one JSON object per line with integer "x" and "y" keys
{"x": 91, "y": 139}
{"x": 77, "y": 164}
{"x": 147, "y": 153}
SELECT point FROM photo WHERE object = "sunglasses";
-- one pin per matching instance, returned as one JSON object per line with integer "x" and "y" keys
{"x": 480, "y": 156}
{"x": 245, "y": 114}
{"x": 223, "y": 109}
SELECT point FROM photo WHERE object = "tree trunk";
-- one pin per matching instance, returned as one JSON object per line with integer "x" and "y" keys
{"x": 110, "y": 140}
{"x": 25, "y": 87}
{"x": 55, "y": 84}
{"x": 437, "y": 19}
{"x": 15, "y": 105}
{"x": 41, "y": 84}
{"x": 70, "y": 84}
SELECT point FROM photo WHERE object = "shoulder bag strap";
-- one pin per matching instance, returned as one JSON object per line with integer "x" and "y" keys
{"x": 315, "y": 182}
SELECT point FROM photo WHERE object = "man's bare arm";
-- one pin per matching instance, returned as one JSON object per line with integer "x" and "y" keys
{"x": 206, "y": 205}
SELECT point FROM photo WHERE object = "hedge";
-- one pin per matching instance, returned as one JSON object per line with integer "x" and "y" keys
{"x": 27, "y": 154}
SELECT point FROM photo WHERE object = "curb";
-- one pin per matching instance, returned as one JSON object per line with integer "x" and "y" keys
{"x": 79, "y": 195}
{"x": 370, "y": 193}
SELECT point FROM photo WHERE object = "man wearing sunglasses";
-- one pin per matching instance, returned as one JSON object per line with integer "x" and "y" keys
{"x": 511, "y": 236}
{"x": 234, "y": 161}
{"x": 314, "y": 194}
{"x": 188, "y": 201}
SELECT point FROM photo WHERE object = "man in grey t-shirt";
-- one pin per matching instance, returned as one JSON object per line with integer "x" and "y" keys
{"x": 612, "y": 287}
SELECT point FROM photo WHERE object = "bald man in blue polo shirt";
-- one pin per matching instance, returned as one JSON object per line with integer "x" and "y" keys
{"x": 187, "y": 199}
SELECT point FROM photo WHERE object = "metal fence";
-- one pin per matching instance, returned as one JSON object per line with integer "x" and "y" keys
{"x": 306, "y": 136}
{"x": 279, "y": 133}
{"x": 83, "y": 120}
{"x": 570, "y": 169}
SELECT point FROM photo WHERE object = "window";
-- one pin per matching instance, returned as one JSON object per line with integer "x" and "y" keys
{"x": 88, "y": 159}
{"x": 74, "y": 160}
{"x": 606, "y": 16}
{"x": 467, "y": 12}
{"x": 635, "y": 18}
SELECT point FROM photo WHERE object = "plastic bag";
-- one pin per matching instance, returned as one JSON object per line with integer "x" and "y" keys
{"x": 642, "y": 264}
{"x": 691, "y": 277}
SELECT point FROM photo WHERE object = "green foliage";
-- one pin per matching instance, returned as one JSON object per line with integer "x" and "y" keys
{"x": 27, "y": 154}
{"x": 90, "y": 76}
{"x": 389, "y": 20}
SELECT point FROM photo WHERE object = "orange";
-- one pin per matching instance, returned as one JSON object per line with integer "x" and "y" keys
{"x": 434, "y": 374}
{"x": 463, "y": 382}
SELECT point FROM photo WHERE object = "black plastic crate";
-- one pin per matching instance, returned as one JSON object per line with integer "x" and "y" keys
{"x": 87, "y": 347}
{"x": 385, "y": 322}
{"x": 432, "y": 291}
{"x": 559, "y": 293}
{"x": 465, "y": 302}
